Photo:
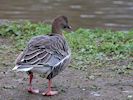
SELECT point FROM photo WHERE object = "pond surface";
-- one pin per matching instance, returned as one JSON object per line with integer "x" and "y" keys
{"x": 115, "y": 14}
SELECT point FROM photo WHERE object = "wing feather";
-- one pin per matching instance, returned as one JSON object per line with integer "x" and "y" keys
{"x": 43, "y": 50}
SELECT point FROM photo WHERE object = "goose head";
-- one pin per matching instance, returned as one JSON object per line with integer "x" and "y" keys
{"x": 59, "y": 24}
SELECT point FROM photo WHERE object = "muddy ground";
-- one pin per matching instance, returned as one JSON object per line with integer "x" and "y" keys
{"x": 102, "y": 83}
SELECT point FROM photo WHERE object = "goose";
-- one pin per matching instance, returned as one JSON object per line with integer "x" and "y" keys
{"x": 46, "y": 54}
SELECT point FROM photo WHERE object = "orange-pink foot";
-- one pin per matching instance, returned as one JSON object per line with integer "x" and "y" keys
{"x": 30, "y": 90}
{"x": 50, "y": 93}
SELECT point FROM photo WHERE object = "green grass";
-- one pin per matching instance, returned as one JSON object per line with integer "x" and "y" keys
{"x": 89, "y": 46}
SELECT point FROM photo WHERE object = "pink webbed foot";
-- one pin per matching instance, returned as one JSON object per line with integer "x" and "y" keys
{"x": 30, "y": 90}
{"x": 50, "y": 93}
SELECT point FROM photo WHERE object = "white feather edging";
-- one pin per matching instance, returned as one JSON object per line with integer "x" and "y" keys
{"x": 23, "y": 69}
{"x": 15, "y": 68}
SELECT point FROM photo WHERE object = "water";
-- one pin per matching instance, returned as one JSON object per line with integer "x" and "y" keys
{"x": 115, "y": 14}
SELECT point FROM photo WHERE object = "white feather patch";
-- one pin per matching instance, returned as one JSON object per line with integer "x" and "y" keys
{"x": 15, "y": 68}
{"x": 62, "y": 60}
{"x": 23, "y": 69}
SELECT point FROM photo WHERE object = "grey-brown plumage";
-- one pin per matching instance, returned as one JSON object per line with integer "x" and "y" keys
{"x": 47, "y": 55}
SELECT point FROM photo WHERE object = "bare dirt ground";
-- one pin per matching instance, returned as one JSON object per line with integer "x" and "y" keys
{"x": 102, "y": 84}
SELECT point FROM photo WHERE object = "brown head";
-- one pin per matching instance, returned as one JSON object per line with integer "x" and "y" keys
{"x": 60, "y": 23}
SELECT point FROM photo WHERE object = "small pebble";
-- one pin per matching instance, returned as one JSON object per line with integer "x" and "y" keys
{"x": 130, "y": 96}
{"x": 8, "y": 87}
{"x": 91, "y": 77}
{"x": 96, "y": 94}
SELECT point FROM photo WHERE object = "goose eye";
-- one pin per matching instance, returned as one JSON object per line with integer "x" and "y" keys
{"x": 67, "y": 26}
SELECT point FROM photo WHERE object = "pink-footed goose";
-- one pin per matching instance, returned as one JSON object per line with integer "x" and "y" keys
{"x": 46, "y": 54}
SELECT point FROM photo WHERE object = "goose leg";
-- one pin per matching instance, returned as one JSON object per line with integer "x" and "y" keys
{"x": 49, "y": 92}
{"x": 30, "y": 89}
